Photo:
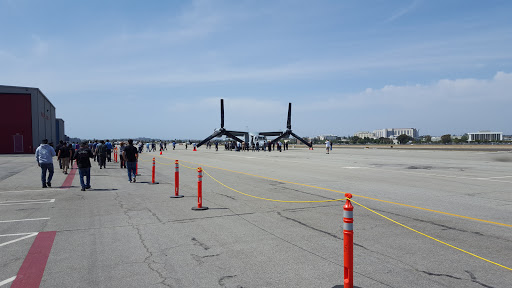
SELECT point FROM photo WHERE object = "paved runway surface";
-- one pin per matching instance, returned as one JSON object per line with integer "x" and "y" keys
{"x": 121, "y": 234}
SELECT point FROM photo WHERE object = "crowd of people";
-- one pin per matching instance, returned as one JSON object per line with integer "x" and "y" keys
{"x": 101, "y": 152}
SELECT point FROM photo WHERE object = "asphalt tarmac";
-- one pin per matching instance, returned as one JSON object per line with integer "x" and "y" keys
{"x": 121, "y": 234}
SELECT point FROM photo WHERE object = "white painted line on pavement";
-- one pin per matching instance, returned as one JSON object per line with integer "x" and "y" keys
{"x": 19, "y": 191}
{"x": 21, "y": 220}
{"x": 19, "y": 239}
{"x": 17, "y": 234}
{"x": 500, "y": 177}
{"x": 24, "y": 202}
{"x": 7, "y": 281}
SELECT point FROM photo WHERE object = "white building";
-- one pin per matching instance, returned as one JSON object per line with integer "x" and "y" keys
{"x": 395, "y": 132}
{"x": 365, "y": 135}
{"x": 485, "y": 136}
{"x": 328, "y": 137}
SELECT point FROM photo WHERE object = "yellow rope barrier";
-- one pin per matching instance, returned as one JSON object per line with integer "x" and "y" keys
{"x": 356, "y": 195}
{"x": 261, "y": 198}
{"x": 423, "y": 234}
{"x": 333, "y": 200}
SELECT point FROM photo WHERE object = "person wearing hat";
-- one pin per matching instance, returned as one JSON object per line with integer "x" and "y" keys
{"x": 44, "y": 158}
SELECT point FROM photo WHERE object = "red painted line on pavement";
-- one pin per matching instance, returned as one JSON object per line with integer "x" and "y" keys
{"x": 69, "y": 180}
{"x": 32, "y": 269}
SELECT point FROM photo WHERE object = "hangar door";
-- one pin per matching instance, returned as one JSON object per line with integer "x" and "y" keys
{"x": 18, "y": 143}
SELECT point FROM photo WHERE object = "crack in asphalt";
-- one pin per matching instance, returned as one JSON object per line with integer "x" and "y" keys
{"x": 473, "y": 279}
{"x": 312, "y": 207}
{"x": 439, "y": 274}
{"x": 230, "y": 197}
{"x": 276, "y": 184}
{"x": 200, "y": 244}
{"x": 310, "y": 227}
{"x": 210, "y": 217}
{"x": 200, "y": 260}
{"x": 471, "y": 275}
{"x": 227, "y": 277}
{"x": 150, "y": 262}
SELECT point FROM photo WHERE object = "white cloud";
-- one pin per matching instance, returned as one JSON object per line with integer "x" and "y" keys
{"x": 443, "y": 92}
{"x": 403, "y": 11}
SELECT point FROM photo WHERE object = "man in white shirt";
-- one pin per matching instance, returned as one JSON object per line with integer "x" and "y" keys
{"x": 44, "y": 158}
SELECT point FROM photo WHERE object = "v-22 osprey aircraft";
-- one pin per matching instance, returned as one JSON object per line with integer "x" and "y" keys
{"x": 253, "y": 138}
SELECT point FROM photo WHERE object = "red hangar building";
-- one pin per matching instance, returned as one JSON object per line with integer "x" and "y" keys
{"x": 28, "y": 118}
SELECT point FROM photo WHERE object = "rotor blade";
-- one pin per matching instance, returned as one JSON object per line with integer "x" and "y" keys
{"x": 276, "y": 133}
{"x": 221, "y": 113}
{"x": 237, "y": 133}
{"x": 228, "y": 134}
{"x": 301, "y": 140}
{"x": 285, "y": 134}
{"x": 289, "y": 123}
{"x": 216, "y": 134}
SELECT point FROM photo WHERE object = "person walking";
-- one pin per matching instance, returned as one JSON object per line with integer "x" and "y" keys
{"x": 131, "y": 155}
{"x": 173, "y": 145}
{"x": 101, "y": 152}
{"x": 147, "y": 147}
{"x": 64, "y": 155}
{"x": 83, "y": 159}
{"x": 44, "y": 158}
{"x": 121, "y": 157}
{"x": 327, "y": 146}
{"x": 141, "y": 147}
{"x": 94, "y": 145}
{"x": 61, "y": 143}
{"x": 109, "y": 150}
{"x": 71, "y": 148}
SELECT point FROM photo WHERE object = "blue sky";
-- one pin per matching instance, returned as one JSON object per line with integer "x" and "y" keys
{"x": 158, "y": 68}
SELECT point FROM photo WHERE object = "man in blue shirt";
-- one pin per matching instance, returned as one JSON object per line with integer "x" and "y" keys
{"x": 44, "y": 158}
{"x": 109, "y": 151}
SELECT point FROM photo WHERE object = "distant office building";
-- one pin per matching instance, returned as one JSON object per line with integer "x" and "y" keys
{"x": 365, "y": 135}
{"x": 59, "y": 127}
{"x": 28, "y": 118}
{"x": 485, "y": 136}
{"x": 395, "y": 132}
{"x": 328, "y": 137}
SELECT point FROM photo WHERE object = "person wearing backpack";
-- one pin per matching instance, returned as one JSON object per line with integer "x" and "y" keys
{"x": 82, "y": 157}
{"x": 64, "y": 155}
